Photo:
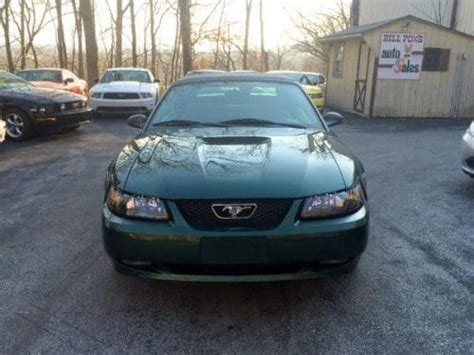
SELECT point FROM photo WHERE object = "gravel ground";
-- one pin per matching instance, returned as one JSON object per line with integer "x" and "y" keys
{"x": 413, "y": 291}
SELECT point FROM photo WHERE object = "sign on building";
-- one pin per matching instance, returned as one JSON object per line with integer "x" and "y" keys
{"x": 401, "y": 56}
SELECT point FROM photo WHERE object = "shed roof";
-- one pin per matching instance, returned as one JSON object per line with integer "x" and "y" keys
{"x": 361, "y": 30}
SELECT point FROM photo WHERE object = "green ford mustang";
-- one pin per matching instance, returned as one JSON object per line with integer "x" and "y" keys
{"x": 235, "y": 178}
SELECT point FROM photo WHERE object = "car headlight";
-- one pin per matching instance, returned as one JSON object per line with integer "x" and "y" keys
{"x": 334, "y": 204}
{"x": 96, "y": 95}
{"x": 146, "y": 95}
{"x": 136, "y": 206}
{"x": 470, "y": 130}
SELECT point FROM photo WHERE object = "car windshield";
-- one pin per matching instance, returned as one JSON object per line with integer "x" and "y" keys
{"x": 8, "y": 81}
{"x": 234, "y": 102}
{"x": 313, "y": 78}
{"x": 141, "y": 76}
{"x": 41, "y": 75}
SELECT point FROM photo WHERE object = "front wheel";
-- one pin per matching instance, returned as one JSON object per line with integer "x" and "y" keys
{"x": 18, "y": 125}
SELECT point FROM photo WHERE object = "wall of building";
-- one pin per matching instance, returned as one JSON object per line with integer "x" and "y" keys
{"x": 340, "y": 90}
{"x": 431, "y": 96}
{"x": 438, "y": 11}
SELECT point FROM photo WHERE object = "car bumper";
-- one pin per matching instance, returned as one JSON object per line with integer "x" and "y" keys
{"x": 294, "y": 250}
{"x": 319, "y": 103}
{"x": 467, "y": 154}
{"x": 123, "y": 106}
{"x": 63, "y": 120}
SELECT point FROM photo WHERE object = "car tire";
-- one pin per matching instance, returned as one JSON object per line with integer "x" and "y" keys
{"x": 19, "y": 126}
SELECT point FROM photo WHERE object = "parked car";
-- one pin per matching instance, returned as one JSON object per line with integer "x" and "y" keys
{"x": 315, "y": 93}
{"x": 59, "y": 79}
{"x": 125, "y": 91}
{"x": 467, "y": 149}
{"x": 317, "y": 79}
{"x": 3, "y": 130}
{"x": 235, "y": 178}
{"x": 27, "y": 109}
{"x": 204, "y": 72}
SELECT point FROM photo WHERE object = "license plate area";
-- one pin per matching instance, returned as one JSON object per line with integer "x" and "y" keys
{"x": 234, "y": 250}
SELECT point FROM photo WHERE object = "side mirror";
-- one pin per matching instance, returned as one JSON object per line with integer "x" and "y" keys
{"x": 332, "y": 118}
{"x": 137, "y": 121}
{"x": 68, "y": 80}
{"x": 157, "y": 81}
{"x": 96, "y": 80}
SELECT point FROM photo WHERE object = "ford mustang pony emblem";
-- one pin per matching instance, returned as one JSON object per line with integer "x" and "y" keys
{"x": 234, "y": 211}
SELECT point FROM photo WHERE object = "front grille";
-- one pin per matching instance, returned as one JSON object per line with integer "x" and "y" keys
{"x": 121, "y": 96}
{"x": 121, "y": 109}
{"x": 268, "y": 214}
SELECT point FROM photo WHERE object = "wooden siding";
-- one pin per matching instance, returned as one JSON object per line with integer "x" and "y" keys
{"x": 340, "y": 91}
{"x": 380, "y": 10}
{"x": 431, "y": 95}
{"x": 465, "y": 16}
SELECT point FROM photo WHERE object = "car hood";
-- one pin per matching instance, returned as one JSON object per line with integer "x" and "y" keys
{"x": 124, "y": 86}
{"x": 234, "y": 163}
{"x": 40, "y": 95}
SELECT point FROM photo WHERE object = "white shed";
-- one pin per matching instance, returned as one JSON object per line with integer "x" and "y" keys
{"x": 405, "y": 67}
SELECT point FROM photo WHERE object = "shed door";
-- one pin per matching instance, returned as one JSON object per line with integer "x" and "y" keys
{"x": 360, "y": 90}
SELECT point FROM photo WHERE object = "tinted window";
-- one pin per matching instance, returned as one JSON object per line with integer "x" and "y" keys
{"x": 41, "y": 75}
{"x": 8, "y": 80}
{"x": 126, "y": 75}
{"x": 215, "y": 102}
{"x": 436, "y": 59}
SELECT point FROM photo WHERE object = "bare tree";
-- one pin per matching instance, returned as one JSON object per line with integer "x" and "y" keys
{"x": 185, "y": 30}
{"x": 263, "y": 53}
{"x": 313, "y": 27}
{"x": 5, "y": 21}
{"x": 61, "y": 41}
{"x": 92, "y": 58}
{"x": 118, "y": 21}
{"x": 134, "y": 33}
{"x": 245, "y": 52}
{"x": 78, "y": 23}
{"x": 218, "y": 35}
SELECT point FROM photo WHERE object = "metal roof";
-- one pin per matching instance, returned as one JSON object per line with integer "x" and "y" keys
{"x": 360, "y": 30}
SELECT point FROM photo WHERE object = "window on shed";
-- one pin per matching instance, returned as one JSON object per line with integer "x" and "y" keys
{"x": 338, "y": 69}
{"x": 436, "y": 59}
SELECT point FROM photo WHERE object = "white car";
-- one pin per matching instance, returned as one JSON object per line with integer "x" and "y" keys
{"x": 125, "y": 91}
{"x": 3, "y": 130}
{"x": 467, "y": 149}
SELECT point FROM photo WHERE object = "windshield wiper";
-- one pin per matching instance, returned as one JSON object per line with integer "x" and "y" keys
{"x": 260, "y": 122}
{"x": 186, "y": 123}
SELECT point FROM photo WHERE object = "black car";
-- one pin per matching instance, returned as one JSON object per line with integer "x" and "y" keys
{"x": 28, "y": 110}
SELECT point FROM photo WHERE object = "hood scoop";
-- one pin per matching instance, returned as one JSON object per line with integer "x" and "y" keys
{"x": 236, "y": 140}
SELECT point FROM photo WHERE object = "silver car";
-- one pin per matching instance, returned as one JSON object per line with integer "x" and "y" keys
{"x": 467, "y": 149}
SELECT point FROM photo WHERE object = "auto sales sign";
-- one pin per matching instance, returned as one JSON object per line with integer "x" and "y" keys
{"x": 401, "y": 56}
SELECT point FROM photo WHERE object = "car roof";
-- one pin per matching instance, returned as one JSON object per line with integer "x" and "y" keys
{"x": 285, "y": 71}
{"x": 312, "y": 73}
{"x": 233, "y": 77}
{"x": 127, "y": 68}
{"x": 41, "y": 69}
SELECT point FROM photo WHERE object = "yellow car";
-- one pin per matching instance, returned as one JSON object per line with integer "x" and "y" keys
{"x": 314, "y": 92}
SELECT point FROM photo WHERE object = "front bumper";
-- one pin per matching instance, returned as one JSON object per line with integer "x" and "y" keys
{"x": 467, "y": 154}
{"x": 294, "y": 250}
{"x": 105, "y": 106}
{"x": 64, "y": 119}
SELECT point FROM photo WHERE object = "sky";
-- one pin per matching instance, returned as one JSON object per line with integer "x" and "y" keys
{"x": 278, "y": 14}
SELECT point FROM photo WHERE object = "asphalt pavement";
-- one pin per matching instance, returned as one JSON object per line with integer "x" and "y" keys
{"x": 413, "y": 290}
